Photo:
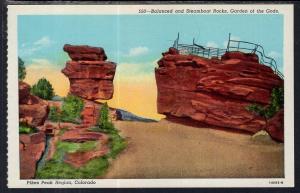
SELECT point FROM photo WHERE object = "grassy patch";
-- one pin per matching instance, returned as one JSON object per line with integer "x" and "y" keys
{"x": 116, "y": 144}
{"x": 56, "y": 168}
{"x": 70, "y": 147}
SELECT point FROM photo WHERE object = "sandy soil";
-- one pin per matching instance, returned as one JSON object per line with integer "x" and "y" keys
{"x": 170, "y": 150}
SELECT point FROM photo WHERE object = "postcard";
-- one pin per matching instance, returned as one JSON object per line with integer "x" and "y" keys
{"x": 195, "y": 95}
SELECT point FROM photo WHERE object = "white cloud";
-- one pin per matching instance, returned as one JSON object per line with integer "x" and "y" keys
{"x": 29, "y": 49}
{"x": 137, "y": 51}
{"x": 44, "y": 41}
{"x": 212, "y": 44}
{"x": 274, "y": 54}
{"x": 41, "y": 63}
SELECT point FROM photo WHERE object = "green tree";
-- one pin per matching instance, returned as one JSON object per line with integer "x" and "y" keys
{"x": 21, "y": 69}
{"x": 104, "y": 120}
{"x": 43, "y": 89}
{"x": 71, "y": 108}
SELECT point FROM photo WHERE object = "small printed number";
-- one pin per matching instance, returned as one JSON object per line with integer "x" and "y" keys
{"x": 275, "y": 182}
{"x": 142, "y": 10}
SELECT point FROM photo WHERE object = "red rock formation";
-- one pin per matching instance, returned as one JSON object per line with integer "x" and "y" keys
{"x": 78, "y": 159}
{"x": 276, "y": 126}
{"x": 32, "y": 110}
{"x": 91, "y": 77}
{"x": 85, "y": 53}
{"x": 90, "y": 113}
{"x": 215, "y": 92}
{"x": 31, "y": 149}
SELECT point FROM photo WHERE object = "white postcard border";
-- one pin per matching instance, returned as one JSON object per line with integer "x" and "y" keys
{"x": 13, "y": 111}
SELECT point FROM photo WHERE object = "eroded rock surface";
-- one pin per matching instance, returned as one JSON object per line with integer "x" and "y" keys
{"x": 216, "y": 92}
{"x": 91, "y": 77}
{"x": 31, "y": 149}
{"x": 33, "y": 111}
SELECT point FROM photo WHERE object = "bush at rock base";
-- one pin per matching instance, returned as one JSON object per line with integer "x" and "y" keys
{"x": 71, "y": 108}
{"x": 277, "y": 102}
{"x": 70, "y": 111}
{"x": 116, "y": 144}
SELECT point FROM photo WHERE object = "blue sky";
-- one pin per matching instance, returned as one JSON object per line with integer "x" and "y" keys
{"x": 140, "y": 39}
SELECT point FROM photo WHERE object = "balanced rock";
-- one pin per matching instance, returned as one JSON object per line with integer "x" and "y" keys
{"x": 85, "y": 52}
{"x": 216, "y": 92}
{"x": 90, "y": 76}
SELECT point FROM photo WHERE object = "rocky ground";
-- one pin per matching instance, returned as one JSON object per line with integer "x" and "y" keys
{"x": 170, "y": 150}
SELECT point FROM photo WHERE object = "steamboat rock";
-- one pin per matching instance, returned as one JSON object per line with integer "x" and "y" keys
{"x": 216, "y": 91}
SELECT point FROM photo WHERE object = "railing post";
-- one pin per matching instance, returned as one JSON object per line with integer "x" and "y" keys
{"x": 228, "y": 44}
{"x": 254, "y": 51}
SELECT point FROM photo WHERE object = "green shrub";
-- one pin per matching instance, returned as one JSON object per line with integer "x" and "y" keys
{"x": 70, "y": 112}
{"x": 116, "y": 144}
{"x": 71, "y": 108}
{"x": 104, "y": 122}
{"x": 276, "y": 103}
{"x": 21, "y": 69}
{"x": 25, "y": 129}
{"x": 43, "y": 89}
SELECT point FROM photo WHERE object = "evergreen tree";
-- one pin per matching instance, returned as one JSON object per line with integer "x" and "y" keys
{"x": 21, "y": 69}
{"x": 104, "y": 120}
{"x": 43, "y": 89}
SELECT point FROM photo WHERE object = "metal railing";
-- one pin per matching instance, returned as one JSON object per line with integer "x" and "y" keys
{"x": 199, "y": 50}
{"x": 253, "y": 48}
{"x": 233, "y": 45}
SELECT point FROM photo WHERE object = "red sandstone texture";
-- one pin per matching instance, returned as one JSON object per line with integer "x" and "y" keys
{"x": 85, "y": 53}
{"x": 91, "y": 77}
{"x": 31, "y": 149}
{"x": 32, "y": 110}
{"x": 90, "y": 113}
{"x": 216, "y": 92}
{"x": 78, "y": 159}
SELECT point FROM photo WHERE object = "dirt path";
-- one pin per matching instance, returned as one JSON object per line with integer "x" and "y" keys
{"x": 170, "y": 150}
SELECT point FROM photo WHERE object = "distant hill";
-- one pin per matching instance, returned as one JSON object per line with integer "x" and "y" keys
{"x": 127, "y": 116}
